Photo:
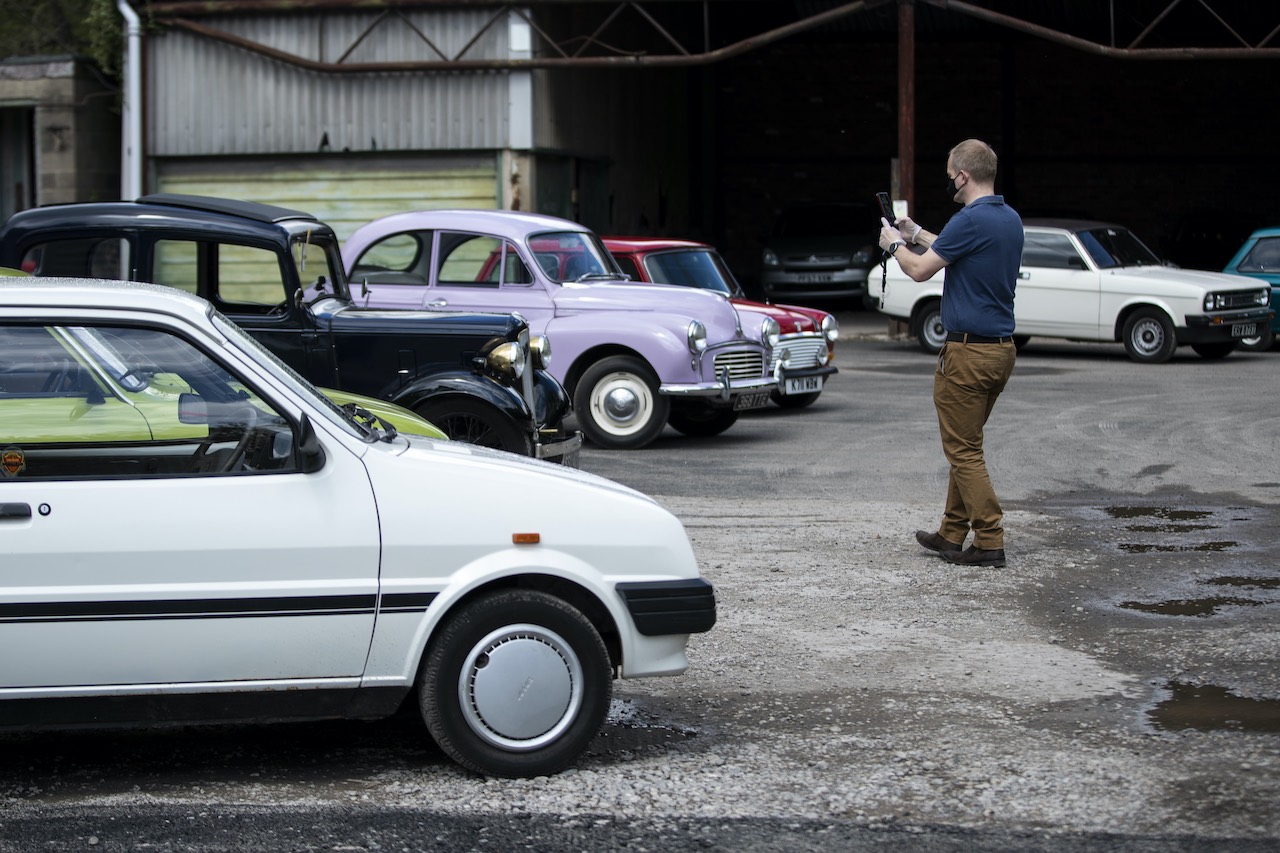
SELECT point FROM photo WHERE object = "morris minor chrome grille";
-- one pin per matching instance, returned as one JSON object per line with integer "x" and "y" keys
{"x": 746, "y": 364}
{"x": 805, "y": 352}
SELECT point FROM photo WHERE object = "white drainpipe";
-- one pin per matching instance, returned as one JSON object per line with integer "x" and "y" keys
{"x": 131, "y": 130}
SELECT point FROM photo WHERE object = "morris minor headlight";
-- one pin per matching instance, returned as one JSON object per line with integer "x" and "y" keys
{"x": 506, "y": 359}
{"x": 697, "y": 335}
{"x": 830, "y": 328}
{"x": 770, "y": 258}
{"x": 769, "y": 331}
{"x": 540, "y": 352}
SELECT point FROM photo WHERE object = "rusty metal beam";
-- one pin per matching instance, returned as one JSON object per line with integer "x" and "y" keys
{"x": 625, "y": 61}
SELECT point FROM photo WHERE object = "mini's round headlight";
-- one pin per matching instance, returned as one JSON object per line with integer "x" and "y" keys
{"x": 769, "y": 331}
{"x": 540, "y": 352}
{"x": 697, "y": 334}
{"x": 506, "y": 359}
{"x": 830, "y": 328}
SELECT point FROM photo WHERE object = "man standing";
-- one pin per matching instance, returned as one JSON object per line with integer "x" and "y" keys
{"x": 981, "y": 249}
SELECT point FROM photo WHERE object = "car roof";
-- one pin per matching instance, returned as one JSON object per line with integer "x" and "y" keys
{"x": 100, "y": 294}
{"x": 511, "y": 224}
{"x": 650, "y": 244}
{"x": 1269, "y": 231}
{"x": 1074, "y": 225}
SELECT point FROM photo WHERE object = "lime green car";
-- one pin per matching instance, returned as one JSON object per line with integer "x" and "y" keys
{"x": 58, "y": 383}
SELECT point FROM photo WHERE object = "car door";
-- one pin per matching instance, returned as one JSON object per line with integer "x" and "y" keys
{"x": 1058, "y": 292}
{"x": 147, "y": 564}
{"x": 478, "y": 272}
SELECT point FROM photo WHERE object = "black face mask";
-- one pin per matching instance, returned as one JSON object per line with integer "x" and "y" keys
{"x": 952, "y": 189}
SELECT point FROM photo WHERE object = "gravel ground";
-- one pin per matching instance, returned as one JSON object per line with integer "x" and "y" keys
{"x": 857, "y": 691}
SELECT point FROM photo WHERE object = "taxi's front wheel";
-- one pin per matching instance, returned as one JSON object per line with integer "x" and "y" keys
{"x": 516, "y": 683}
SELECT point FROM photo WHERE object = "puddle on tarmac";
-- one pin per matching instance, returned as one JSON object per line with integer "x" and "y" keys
{"x": 1255, "y": 583}
{"x": 1188, "y": 606}
{"x": 631, "y": 728}
{"x": 1163, "y": 512}
{"x": 1208, "y": 708}
{"x": 1135, "y": 548}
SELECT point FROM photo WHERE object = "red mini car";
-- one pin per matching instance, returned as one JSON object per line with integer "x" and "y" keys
{"x": 805, "y": 355}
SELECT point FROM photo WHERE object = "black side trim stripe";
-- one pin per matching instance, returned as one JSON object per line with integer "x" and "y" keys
{"x": 212, "y": 608}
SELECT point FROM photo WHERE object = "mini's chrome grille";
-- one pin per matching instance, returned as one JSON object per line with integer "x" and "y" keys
{"x": 743, "y": 364}
{"x": 805, "y": 352}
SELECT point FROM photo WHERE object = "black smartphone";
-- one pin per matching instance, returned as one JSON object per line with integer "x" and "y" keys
{"x": 886, "y": 207}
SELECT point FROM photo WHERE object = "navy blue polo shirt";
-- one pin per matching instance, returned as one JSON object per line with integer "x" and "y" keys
{"x": 982, "y": 245}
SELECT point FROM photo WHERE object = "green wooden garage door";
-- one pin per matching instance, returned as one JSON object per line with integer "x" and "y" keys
{"x": 341, "y": 192}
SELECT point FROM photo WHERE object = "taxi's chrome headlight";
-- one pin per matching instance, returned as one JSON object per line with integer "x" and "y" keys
{"x": 506, "y": 359}
{"x": 697, "y": 335}
{"x": 769, "y": 331}
{"x": 830, "y": 328}
{"x": 540, "y": 352}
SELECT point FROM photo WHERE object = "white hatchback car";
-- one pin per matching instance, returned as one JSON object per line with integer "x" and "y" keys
{"x": 1092, "y": 281}
{"x": 193, "y": 533}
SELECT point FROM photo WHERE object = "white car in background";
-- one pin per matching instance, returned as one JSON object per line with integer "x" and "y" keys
{"x": 1093, "y": 281}
{"x": 193, "y": 533}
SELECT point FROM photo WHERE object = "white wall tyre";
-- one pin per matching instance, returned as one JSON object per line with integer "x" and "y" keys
{"x": 617, "y": 403}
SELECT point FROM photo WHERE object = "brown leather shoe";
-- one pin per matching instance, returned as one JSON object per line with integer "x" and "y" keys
{"x": 934, "y": 542}
{"x": 972, "y": 556}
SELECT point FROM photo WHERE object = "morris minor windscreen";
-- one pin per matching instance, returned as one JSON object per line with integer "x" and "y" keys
{"x": 573, "y": 256}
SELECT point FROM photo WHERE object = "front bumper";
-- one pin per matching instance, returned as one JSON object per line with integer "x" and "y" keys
{"x": 842, "y": 283}
{"x": 670, "y": 607}
{"x": 566, "y": 451}
{"x": 1216, "y": 328}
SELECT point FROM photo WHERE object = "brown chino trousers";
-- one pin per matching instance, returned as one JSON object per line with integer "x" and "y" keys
{"x": 966, "y": 384}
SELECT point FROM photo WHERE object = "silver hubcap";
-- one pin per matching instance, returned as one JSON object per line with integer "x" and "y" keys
{"x": 521, "y": 687}
{"x": 1148, "y": 337}
{"x": 933, "y": 331}
{"x": 621, "y": 404}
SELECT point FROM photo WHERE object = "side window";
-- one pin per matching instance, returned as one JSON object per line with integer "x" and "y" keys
{"x": 469, "y": 259}
{"x": 628, "y": 266}
{"x": 398, "y": 259}
{"x": 1053, "y": 251}
{"x": 87, "y": 402}
{"x": 238, "y": 279}
{"x": 1263, "y": 257}
{"x": 94, "y": 257}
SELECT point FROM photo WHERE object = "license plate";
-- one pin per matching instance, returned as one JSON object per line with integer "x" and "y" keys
{"x": 1244, "y": 330}
{"x": 751, "y": 401}
{"x": 803, "y": 385}
{"x": 813, "y": 277}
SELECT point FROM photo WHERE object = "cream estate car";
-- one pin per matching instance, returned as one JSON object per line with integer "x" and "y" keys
{"x": 269, "y": 556}
{"x": 1093, "y": 281}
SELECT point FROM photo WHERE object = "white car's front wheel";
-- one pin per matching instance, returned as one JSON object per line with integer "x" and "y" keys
{"x": 1149, "y": 337}
{"x": 516, "y": 684}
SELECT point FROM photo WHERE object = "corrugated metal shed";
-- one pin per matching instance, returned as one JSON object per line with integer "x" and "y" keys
{"x": 210, "y": 98}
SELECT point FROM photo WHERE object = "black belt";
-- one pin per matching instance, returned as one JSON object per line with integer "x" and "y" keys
{"x": 966, "y": 338}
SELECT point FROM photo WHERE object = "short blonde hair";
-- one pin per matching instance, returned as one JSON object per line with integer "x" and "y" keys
{"x": 975, "y": 157}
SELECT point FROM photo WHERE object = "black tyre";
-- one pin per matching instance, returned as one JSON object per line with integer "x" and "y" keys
{"x": 702, "y": 421}
{"x": 795, "y": 401}
{"x": 1148, "y": 336}
{"x": 618, "y": 405}
{"x": 929, "y": 330}
{"x": 516, "y": 683}
{"x": 1221, "y": 349}
{"x": 1259, "y": 343}
{"x": 475, "y": 422}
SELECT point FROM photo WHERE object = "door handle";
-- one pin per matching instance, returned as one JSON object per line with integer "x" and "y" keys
{"x": 1024, "y": 275}
{"x": 437, "y": 303}
{"x": 17, "y": 511}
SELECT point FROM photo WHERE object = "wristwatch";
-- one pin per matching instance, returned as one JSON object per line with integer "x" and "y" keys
{"x": 895, "y": 246}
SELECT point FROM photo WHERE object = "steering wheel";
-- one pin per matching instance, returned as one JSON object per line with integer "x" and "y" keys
{"x": 242, "y": 446}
